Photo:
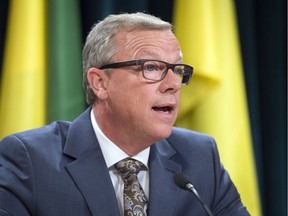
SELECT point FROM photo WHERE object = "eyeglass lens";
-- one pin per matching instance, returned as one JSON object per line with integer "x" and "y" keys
{"x": 156, "y": 70}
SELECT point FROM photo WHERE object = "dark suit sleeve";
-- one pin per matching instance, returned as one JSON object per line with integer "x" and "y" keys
{"x": 16, "y": 178}
{"x": 227, "y": 201}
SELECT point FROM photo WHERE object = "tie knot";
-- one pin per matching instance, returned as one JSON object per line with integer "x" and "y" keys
{"x": 128, "y": 167}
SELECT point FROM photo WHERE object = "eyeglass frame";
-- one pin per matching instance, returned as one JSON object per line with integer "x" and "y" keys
{"x": 141, "y": 62}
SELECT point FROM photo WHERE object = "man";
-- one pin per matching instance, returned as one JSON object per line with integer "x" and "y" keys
{"x": 133, "y": 72}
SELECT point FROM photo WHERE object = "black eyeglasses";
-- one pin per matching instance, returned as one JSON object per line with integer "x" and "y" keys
{"x": 156, "y": 70}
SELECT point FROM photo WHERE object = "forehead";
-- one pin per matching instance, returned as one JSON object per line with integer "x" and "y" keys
{"x": 147, "y": 43}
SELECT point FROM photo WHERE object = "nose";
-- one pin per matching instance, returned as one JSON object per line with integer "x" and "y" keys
{"x": 171, "y": 82}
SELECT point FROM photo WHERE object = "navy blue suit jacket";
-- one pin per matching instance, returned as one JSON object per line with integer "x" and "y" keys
{"x": 59, "y": 170}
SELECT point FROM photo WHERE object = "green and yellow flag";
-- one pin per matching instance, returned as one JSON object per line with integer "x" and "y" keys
{"x": 215, "y": 101}
{"x": 42, "y": 74}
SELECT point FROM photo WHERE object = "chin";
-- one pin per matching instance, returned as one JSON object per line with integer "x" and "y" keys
{"x": 164, "y": 132}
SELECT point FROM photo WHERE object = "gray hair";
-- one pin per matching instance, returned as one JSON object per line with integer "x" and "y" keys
{"x": 100, "y": 47}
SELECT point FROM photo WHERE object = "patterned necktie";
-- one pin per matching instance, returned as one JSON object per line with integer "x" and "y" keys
{"x": 135, "y": 201}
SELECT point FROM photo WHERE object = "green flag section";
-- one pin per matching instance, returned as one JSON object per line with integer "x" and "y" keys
{"x": 65, "y": 92}
{"x": 215, "y": 101}
{"x": 22, "y": 96}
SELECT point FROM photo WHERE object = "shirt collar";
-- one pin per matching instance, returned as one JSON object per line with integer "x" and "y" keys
{"x": 111, "y": 152}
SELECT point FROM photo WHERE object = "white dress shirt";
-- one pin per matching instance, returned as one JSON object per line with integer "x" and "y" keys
{"x": 113, "y": 154}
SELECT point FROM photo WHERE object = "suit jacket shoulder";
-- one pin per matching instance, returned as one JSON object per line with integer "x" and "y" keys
{"x": 196, "y": 155}
{"x": 55, "y": 170}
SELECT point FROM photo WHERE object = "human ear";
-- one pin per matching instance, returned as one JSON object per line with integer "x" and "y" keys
{"x": 97, "y": 81}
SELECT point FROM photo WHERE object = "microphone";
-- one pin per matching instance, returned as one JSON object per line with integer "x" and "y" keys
{"x": 182, "y": 181}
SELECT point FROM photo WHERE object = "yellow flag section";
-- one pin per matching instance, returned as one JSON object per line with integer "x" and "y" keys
{"x": 22, "y": 96}
{"x": 215, "y": 100}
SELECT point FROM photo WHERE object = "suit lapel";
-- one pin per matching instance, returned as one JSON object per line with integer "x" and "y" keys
{"x": 163, "y": 191}
{"x": 93, "y": 180}
{"x": 89, "y": 170}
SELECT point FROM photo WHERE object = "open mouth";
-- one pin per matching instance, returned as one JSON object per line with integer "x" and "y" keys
{"x": 163, "y": 108}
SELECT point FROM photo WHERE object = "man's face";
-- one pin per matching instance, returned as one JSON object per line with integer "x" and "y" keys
{"x": 143, "y": 109}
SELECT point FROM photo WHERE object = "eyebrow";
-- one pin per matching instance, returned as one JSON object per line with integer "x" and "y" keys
{"x": 153, "y": 54}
